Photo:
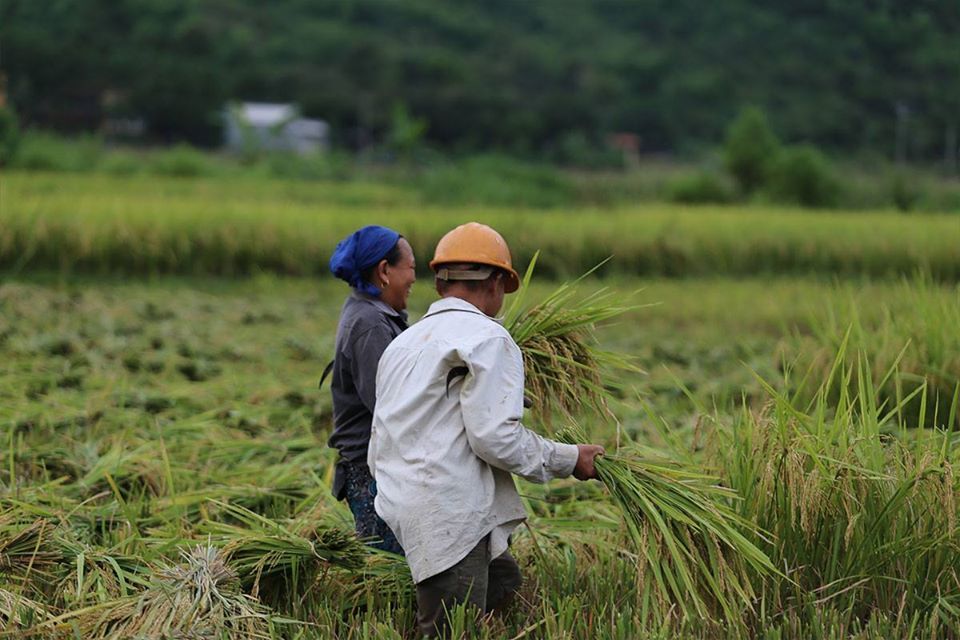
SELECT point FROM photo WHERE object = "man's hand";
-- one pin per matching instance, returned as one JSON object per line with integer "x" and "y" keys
{"x": 585, "y": 469}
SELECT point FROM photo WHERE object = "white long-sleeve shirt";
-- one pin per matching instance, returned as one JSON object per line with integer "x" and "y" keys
{"x": 442, "y": 458}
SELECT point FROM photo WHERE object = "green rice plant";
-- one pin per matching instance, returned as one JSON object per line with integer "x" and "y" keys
{"x": 693, "y": 550}
{"x": 199, "y": 598}
{"x": 861, "y": 510}
{"x": 563, "y": 365}
{"x": 911, "y": 341}
{"x": 140, "y": 225}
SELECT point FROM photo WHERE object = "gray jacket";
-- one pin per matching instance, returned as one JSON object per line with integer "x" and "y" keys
{"x": 367, "y": 325}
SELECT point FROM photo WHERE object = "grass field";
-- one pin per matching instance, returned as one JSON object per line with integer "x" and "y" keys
{"x": 164, "y": 437}
{"x": 143, "y": 419}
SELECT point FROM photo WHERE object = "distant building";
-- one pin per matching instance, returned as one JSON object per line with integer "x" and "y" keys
{"x": 260, "y": 126}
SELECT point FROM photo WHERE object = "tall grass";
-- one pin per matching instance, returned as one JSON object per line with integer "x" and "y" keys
{"x": 861, "y": 511}
{"x": 911, "y": 340}
{"x": 140, "y": 225}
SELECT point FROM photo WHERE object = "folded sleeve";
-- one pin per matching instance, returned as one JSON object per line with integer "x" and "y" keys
{"x": 491, "y": 400}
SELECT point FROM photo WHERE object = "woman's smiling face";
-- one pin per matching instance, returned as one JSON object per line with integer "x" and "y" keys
{"x": 397, "y": 279}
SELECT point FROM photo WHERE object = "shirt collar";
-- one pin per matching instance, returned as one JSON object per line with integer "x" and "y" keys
{"x": 379, "y": 304}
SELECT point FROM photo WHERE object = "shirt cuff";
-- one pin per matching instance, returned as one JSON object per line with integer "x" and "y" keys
{"x": 563, "y": 460}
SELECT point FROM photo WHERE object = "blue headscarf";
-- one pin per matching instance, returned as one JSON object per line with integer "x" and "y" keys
{"x": 359, "y": 251}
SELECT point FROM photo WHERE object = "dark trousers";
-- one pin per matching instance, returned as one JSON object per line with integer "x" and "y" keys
{"x": 477, "y": 580}
{"x": 360, "y": 490}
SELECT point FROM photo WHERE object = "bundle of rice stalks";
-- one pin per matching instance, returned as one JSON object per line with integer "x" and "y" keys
{"x": 195, "y": 505}
{"x": 25, "y": 551}
{"x": 384, "y": 579}
{"x": 96, "y": 574}
{"x": 129, "y": 469}
{"x": 199, "y": 598}
{"x": 694, "y": 552}
{"x": 561, "y": 359}
{"x": 286, "y": 557}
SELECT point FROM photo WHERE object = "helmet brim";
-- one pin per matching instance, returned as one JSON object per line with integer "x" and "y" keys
{"x": 511, "y": 280}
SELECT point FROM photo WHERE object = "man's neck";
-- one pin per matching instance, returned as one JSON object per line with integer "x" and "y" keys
{"x": 476, "y": 298}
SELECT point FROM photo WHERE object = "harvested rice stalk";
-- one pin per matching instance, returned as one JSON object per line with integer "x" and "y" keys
{"x": 691, "y": 546}
{"x": 200, "y": 598}
{"x": 194, "y": 505}
{"x": 282, "y": 557}
{"x": 95, "y": 573}
{"x": 562, "y": 362}
{"x": 18, "y": 612}
{"x": 25, "y": 548}
{"x": 385, "y": 577}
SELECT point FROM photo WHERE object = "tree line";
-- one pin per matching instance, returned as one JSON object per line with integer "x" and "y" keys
{"x": 538, "y": 77}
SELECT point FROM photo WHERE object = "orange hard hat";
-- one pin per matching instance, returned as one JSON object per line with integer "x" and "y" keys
{"x": 477, "y": 244}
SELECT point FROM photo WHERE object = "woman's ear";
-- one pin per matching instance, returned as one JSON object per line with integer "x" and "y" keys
{"x": 382, "y": 268}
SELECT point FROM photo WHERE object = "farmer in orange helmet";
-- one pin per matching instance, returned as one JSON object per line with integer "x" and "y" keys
{"x": 446, "y": 434}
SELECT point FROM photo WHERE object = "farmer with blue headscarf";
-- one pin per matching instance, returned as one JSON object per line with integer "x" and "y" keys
{"x": 378, "y": 264}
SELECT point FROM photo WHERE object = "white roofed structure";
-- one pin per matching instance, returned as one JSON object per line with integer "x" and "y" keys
{"x": 263, "y": 126}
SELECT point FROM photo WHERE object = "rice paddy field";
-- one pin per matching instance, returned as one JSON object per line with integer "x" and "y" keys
{"x": 779, "y": 405}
